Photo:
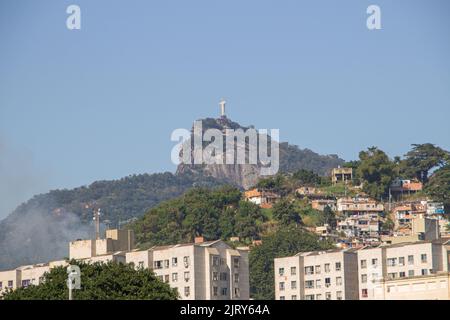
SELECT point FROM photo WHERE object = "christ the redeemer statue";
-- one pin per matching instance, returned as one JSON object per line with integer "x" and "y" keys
{"x": 222, "y": 104}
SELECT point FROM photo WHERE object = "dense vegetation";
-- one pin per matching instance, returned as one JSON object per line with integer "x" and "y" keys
{"x": 212, "y": 213}
{"x": 99, "y": 281}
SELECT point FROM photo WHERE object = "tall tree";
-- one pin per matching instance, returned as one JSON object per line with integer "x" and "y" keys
{"x": 99, "y": 281}
{"x": 285, "y": 213}
{"x": 376, "y": 171}
{"x": 439, "y": 186}
{"x": 329, "y": 217}
{"x": 421, "y": 159}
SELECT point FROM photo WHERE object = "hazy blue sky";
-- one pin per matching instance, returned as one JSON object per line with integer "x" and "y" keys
{"x": 101, "y": 102}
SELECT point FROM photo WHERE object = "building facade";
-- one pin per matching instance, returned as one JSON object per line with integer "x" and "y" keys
{"x": 322, "y": 275}
{"x": 201, "y": 271}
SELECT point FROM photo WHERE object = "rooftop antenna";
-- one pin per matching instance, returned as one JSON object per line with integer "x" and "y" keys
{"x": 222, "y": 104}
{"x": 97, "y": 223}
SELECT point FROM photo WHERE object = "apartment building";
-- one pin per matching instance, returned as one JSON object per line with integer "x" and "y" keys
{"x": 209, "y": 270}
{"x": 377, "y": 266}
{"x": 321, "y": 275}
{"x": 429, "y": 287}
{"x": 115, "y": 241}
{"x": 25, "y": 276}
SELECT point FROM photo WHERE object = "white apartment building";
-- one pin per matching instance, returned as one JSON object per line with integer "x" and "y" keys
{"x": 201, "y": 271}
{"x": 416, "y": 270}
{"x": 398, "y": 261}
{"x": 321, "y": 275}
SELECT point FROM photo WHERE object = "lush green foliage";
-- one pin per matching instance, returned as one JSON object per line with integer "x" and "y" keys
{"x": 421, "y": 160}
{"x": 376, "y": 171}
{"x": 284, "y": 242}
{"x": 439, "y": 186}
{"x": 285, "y": 213}
{"x": 212, "y": 213}
{"x": 108, "y": 281}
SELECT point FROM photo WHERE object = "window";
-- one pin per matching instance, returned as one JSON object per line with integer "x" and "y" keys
{"x": 10, "y": 283}
{"x": 424, "y": 272}
{"x": 363, "y": 264}
{"x": 294, "y": 297}
{"x": 327, "y": 282}
{"x": 411, "y": 273}
{"x": 391, "y": 262}
{"x": 309, "y": 284}
{"x": 166, "y": 264}
{"x": 158, "y": 264}
{"x": 215, "y": 276}
{"x": 339, "y": 281}
{"x": 223, "y": 276}
{"x": 224, "y": 291}
{"x": 293, "y": 271}
{"x": 174, "y": 277}
{"x": 282, "y": 298}
{"x": 186, "y": 261}
{"x": 293, "y": 284}
{"x": 309, "y": 270}
{"x": 236, "y": 278}
{"x": 187, "y": 291}
{"x": 375, "y": 262}
{"x": 236, "y": 262}
{"x": 1, "y": 285}
{"x": 410, "y": 260}
{"x": 317, "y": 269}
{"x": 281, "y": 271}
{"x": 174, "y": 262}
{"x": 166, "y": 278}
{"x": 215, "y": 291}
{"x": 281, "y": 286}
{"x": 364, "y": 278}
{"x": 215, "y": 261}
{"x": 318, "y": 283}
{"x": 401, "y": 261}
{"x": 364, "y": 293}
{"x": 423, "y": 258}
{"x": 141, "y": 264}
{"x": 339, "y": 295}
{"x": 186, "y": 276}
{"x": 374, "y": 277}
{"x": 26, "y": 283}
{"x": 236, "y": 292}
{"x": 338, "y": 266}
{"x": 327, "y": 268}
{"x": 318, "y": 296}
{"x": 392, "y": 275}
{"x": 328, "y": 296}
{"x": 309, "y": 297}
{"x": 402, "y": 274}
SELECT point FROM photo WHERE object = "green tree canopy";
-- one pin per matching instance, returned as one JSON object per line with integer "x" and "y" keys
{"x": 212, "y": 213}
{"x": 285, "y": 242}
{"x": 306, "y": 177}
{"x": 438, "y": 186}
{"x": 99, "y": 281}
{"x": 422, "y": 159}
{"x": 376, "y": 171}
{"x": 285, "y": 213}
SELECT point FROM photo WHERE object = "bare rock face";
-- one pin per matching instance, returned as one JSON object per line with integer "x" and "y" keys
{"x": 291, "y": 158}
